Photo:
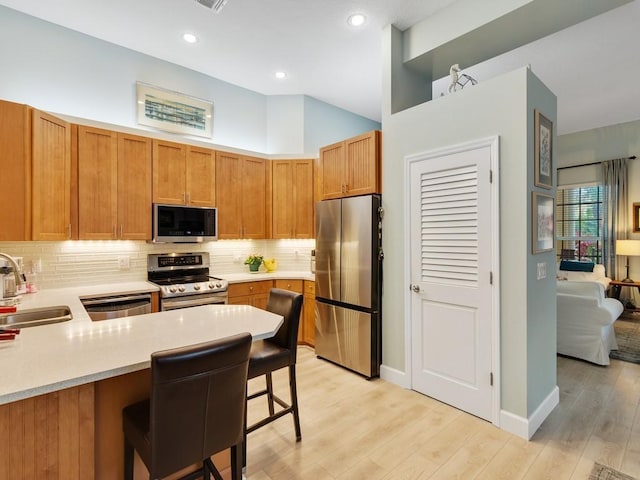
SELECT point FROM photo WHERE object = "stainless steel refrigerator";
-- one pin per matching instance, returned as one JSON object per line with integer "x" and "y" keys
{"x": 349, "y": 282}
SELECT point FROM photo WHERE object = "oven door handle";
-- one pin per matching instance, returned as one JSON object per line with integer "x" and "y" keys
{"x": 171, "y": 304}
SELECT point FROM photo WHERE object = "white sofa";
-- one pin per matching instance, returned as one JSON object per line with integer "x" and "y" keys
{"x": 585, "y": 319}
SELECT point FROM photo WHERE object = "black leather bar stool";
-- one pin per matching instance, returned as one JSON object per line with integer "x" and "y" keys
{"x": 275, "y": 353}
{"x": 197, "y": 408}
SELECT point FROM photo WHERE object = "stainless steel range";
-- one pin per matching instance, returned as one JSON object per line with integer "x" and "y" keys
{"x": 184, "y": 280}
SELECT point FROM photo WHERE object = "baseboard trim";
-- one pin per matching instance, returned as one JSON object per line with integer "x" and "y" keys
{"x": 525, "y": 428}
{"x": 394, "y": 376}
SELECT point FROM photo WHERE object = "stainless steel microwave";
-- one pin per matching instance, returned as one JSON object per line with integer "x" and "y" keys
{"x": 182, "y": 224}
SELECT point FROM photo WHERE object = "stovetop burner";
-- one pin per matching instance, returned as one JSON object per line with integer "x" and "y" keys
{"x": 179, "y": 274}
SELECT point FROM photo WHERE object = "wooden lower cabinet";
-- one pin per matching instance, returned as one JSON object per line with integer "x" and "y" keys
{"x": 308, "y": 326}
{"x": 49, "y": 436}
{"x": 250, "y": 293}
{"x": 294, "y": 286}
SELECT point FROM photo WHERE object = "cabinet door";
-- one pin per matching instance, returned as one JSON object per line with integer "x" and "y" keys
{"x": 259, "y": 300}
{"x": 363, "y": 164}
{"x": 304, "y": 206}
{"x": 50, "y": 177}
{"x": 292, "y": 199}
{"x": 169, "y": 166}
{"x": 15, "y": 151}
{"x": 228, "y": 195}
{"x": 201, "y": 177}
{"x": 134, "y": 187}
{"x": 332, "y": 160}
{"x": 308, "y": 326}
{"x": 292, "y": 285}
{"x": 97, "y": 184}
{"x": 239, "y": 300}
{"x": 254, "y": 197}
{"x": 282, "y": 199}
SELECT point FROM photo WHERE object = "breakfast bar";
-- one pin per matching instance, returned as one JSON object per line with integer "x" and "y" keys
{"x": 63, "y": 385}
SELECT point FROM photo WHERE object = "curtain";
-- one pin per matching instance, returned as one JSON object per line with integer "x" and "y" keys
{"x": 615, "y": 214}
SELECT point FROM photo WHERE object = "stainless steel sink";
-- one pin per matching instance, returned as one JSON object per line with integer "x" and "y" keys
{"x": 36, "y": 316}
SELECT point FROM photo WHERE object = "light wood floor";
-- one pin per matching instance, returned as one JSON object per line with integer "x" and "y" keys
{"x": 357, "y": 429}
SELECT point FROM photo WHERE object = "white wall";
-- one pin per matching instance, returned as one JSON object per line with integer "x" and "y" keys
{"x": 62, "y": 71}
{"x": 325, "y": 124}
{"x": 501, "y": 106}
{"x": 285, "y": 124}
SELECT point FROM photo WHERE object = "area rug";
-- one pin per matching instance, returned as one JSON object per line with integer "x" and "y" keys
{"x": 602, "y": 472}
{"x": 627, "y": 329}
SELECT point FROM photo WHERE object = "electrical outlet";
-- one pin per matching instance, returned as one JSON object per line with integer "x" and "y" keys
{"x": 236, "y": 258}
{"x": 542, "y": 270}
{"x": 123, "y": 262}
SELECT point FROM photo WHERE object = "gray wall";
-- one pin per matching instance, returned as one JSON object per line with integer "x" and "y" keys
{"x": 502, "y": 106}
{"x": 59, "y": 70}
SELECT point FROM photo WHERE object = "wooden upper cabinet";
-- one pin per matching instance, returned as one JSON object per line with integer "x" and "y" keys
{"x": 351, "y": 167}
{"x": 97, "y": 183}
{"x": 50, "y": 177}
{"x": 15, "y": 161}
{"x": 169, "y": 167}
{"x": 201, "y": 177}
{"x": 292, "y": 199}
{"x": 114, "y": 185}
{"x": 241, "y": 191}
{"x": 134, "y": 187}
{"x": 228, "y": 195}
{"x": 332, "y": 165}
{"x": 253, "y": 197}
{"x": 183, "y": 174}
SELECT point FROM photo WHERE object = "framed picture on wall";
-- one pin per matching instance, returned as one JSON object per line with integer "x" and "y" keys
{"x": 543, "y": 159}
{"x": 636, "y": 217}
{"x": 542, "y": 222}
{"x": 173, "y": 111}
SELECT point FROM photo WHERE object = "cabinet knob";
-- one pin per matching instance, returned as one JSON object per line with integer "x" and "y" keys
{"x": 251, "y": 289}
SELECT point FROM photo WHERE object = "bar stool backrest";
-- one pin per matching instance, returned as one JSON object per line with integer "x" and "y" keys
{"x": 197, "y": 402}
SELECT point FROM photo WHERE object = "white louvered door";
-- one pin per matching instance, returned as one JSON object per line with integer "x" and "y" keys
{"x": 451, "y": 299}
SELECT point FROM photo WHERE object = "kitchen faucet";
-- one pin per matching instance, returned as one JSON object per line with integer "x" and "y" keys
{"x": 16, "y": 269}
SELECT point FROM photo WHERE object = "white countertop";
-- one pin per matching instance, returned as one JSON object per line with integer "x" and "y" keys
{"x": 51, "y": 357}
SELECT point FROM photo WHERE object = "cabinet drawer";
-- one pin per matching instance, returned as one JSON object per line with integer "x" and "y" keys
{"x": 293, "y": 285}
{"x": 309, "y": 287}
{"x": 249, "y": 288}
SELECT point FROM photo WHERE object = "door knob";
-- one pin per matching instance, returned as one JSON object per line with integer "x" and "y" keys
{"x": 416, "y": 288}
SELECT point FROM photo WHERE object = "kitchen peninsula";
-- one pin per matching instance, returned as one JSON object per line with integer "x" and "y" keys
{"x": 63, "y": 385}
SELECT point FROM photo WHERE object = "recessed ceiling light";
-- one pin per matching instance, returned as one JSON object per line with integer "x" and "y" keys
{"x": 356, "y": 20}
{"x": 189, "y": 38}
{"x": 280, "y": 75}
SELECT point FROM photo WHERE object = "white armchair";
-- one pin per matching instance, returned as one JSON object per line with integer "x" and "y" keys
{"x": 585, "y": 321}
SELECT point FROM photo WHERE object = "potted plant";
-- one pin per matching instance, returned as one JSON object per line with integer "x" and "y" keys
{"x": 254, "y": 262}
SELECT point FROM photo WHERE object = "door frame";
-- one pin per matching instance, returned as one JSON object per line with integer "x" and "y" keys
{"x": 493, "y": 143}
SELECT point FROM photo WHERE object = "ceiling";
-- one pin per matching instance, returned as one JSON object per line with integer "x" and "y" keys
{"x": 593, "y": 67}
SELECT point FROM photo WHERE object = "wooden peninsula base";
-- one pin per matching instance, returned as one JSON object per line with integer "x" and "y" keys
{"x": 76, "y": 433}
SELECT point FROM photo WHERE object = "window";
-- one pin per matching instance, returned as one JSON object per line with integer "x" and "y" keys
{"x": 579, "y": 214}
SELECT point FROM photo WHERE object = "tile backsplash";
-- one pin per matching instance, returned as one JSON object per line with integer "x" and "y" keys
{"x": 75, "y": 263}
